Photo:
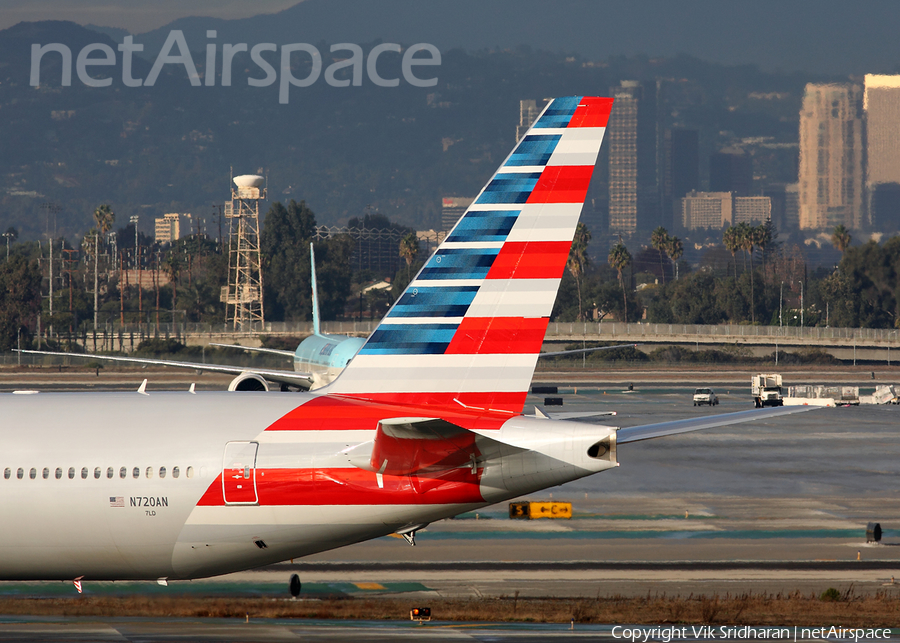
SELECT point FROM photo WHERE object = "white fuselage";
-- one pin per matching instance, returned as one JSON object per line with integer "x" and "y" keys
{"x": 117, "y": 517}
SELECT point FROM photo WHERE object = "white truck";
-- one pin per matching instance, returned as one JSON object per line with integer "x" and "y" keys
{"x": 766, "y": 390}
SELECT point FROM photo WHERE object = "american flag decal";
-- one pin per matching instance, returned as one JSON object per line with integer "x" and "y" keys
{"x": 117, "y": 501}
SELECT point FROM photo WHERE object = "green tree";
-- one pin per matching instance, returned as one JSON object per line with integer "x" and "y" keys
{"x": 20, "y": 299}
{"x": 619, "y": 258}
{"x": 104, "y": 217}
{"x": 284, "y": 242}
{"x": 840, "y": 238}
{"x": 675, "y": 249}
{"x": 660, "y": 240}
{"x": 578, "y": 260}
{"x": 732, "y": 242}
{"x": 409, "y": 250}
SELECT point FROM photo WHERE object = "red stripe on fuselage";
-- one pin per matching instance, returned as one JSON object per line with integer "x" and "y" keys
{"x": 592, "y": 112}
{"x": 352, "y": 486}
{"x": 498, "y": 335}
{"x": 530, "y": 260}
{"x": 562, "y": 184}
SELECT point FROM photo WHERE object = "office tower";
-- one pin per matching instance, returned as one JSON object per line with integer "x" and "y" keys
{"x": 529, "y": 110}
{"x": 881, "y": 102}
{"x": 832, "y": 157}
{"x": 633, "y": 159}
{"x": 681, "y": 174}
{"x": 751, "y": 209}
{"x": 452, "y": 209}
{"x": 168, "y": 228}
{"x": 706, "y": 210}
{"x": 731, "y": 170}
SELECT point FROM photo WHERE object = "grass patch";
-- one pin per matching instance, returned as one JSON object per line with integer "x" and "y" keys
{"x": 852, "y": 609}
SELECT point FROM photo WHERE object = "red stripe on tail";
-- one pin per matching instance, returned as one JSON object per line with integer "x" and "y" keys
{"x": 498, "y": 335}
{"x": 592, "y": 112}
{"x": 562, "y": 184}
{"x": 530, "y": 260}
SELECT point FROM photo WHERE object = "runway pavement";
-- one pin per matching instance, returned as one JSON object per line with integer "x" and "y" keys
{"x": 775, "y": 506}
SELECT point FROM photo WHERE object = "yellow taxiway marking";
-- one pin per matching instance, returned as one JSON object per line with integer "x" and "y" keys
{"x": 370, "y": 586}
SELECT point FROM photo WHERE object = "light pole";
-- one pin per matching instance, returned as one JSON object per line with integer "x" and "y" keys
{"x": 780, "y": 307}
{"x": 8, "y": 236}
{"x": 134, "y": 220}
{"x": 801, "y": 302}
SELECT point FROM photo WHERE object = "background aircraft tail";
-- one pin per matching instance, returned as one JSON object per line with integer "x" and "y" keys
{"x": 315, "y": 290}
{"x": 468, "y": 329}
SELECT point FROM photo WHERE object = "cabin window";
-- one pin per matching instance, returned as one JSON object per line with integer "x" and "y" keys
{"x": 175, "y": 472}
{"x": 71, "y": 472}
{"x": 97, "y": 473}
{"x": 123, "y": 472}
{"x": 189, "y": 472}
{"x": 45, "y": 473}
{"x": 6, "y": 473}
{"x": 109, "y": 472}
{"x": 149, "y": 472}
{"x": 58, "y": 473}
{"x": 136, "y": 473}
{"x": 20, "y": 473}
{"x": 33, "y": 473}
{"x": 162, "y": 472}
{"x": 84, "y": 473}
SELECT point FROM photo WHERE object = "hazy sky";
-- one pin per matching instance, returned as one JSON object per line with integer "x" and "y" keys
{"x": 137, "y": 16}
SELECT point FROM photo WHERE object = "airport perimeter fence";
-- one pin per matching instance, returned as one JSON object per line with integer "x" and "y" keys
{"x": 597, "y": 331}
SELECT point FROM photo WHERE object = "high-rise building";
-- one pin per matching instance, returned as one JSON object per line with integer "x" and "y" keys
{"x": 792, "y": 206}
{"x": 731, "y": 170}
{"x": 881, "y": 102}
{"x": 633, "y": 158}
{"x": 452, "y": 209}
{"x": 681, "y": 171}
{"x": 706, "y": 210}
{"x": 832, "y": 157}
{"x": 751, "y": 209}
{"x": 529, "y": 110}
{"x": 168, "y": 228}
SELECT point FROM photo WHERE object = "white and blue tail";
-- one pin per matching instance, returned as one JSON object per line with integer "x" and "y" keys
{"x": 468, "y": 329}
{"x": 315, "y": 291}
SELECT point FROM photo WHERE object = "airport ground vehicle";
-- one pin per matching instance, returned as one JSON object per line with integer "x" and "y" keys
{"x": 705, "y": 396}
{"x": 766, "y": 390}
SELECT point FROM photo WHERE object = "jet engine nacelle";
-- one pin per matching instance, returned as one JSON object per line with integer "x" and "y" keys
{"x": 248, "y": 382}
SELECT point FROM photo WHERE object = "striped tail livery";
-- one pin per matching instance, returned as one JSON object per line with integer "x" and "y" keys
{"x": 467, "y": 331}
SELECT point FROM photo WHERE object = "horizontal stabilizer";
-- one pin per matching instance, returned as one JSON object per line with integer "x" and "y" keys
{"x": 649, "y": 431}
{"x": 577, "y": 351}
{"x": 291, "y": 378}
{"x": 541, "y": 412}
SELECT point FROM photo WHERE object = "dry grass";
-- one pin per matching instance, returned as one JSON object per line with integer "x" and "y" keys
{"x": 850, "y": 609}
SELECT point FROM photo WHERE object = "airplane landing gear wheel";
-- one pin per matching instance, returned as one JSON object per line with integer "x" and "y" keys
{"x": 295, "y": 585}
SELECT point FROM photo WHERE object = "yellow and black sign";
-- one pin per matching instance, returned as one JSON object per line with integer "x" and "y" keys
{"x": 534, "y": 510}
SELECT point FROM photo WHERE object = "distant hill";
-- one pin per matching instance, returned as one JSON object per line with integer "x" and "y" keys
{"x": 816, "y": 36}
{"x": 172, "y": 147}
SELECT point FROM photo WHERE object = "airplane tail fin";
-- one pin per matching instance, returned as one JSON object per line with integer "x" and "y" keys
{"x": 468, "y": 329}
{"x": 315, "y": 290}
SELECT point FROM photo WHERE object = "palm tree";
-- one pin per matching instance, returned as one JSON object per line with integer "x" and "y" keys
{"x": 104, "y": 217}
{"x": 675, "y": 248}
{"x": 578, "y": 259}
{"x": 840, "y": 238}
{"x": 660, "y": 239}
{"x": 172, "y": 268}
{"x": 762, "y": 237}
{"x": 748, "y": 243}
{"x": 732, "y": 244}
{"x": 619, "y": 258}
{"x": 409, "y": 249}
